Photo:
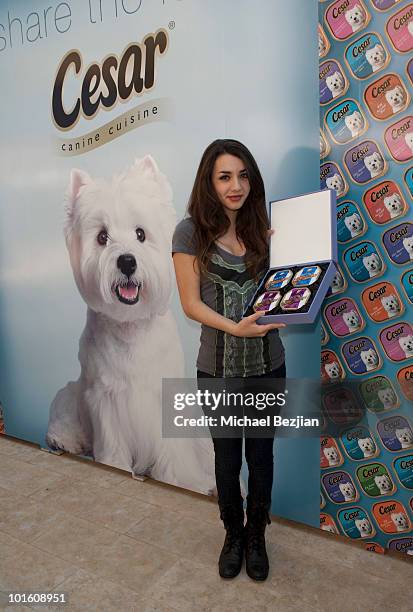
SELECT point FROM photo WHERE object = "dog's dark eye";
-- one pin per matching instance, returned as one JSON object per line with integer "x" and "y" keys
{"x": 102, "y": 237}
{"x": 140, "y": 234}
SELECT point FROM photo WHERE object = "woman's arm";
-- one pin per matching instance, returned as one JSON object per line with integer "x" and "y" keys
{"x": 188, "y": 280}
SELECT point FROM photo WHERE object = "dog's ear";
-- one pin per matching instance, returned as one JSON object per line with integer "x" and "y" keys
{"x": 78, "y": 178}
{"x": 148, "y": 166}
{"x": 147, "y": 163}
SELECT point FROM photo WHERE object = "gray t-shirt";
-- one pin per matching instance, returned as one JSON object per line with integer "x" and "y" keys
{"x": 227, "y": 289}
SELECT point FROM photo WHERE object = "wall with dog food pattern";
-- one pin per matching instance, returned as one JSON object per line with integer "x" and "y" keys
{"x": 366, "y": 152}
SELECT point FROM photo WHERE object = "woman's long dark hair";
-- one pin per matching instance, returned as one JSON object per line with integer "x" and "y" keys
{"x": 209, "y": 217}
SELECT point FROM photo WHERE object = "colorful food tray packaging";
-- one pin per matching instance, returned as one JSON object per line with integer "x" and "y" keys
{"x": 302, "y": 259}
{"x": 307, "y": 276}
{"x": 279, "y": 280}
{"x": 295, "y": 299}
{"x": 267, "y": 301}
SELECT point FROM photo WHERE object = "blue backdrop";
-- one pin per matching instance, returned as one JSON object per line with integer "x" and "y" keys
{"x": 232, "y": 70}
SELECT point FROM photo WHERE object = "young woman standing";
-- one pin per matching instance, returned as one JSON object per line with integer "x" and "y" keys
{"x": 220, "y": 251}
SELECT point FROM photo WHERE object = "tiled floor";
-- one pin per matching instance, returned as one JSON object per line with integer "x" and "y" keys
{"x": 113, "y": 543}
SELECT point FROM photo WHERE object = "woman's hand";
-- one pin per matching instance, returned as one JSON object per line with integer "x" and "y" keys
{"x": 248, "y": 327}
{"x": 189, "y": 291}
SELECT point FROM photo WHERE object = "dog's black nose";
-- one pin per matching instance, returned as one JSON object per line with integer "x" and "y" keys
{"x": 126, "y": 264}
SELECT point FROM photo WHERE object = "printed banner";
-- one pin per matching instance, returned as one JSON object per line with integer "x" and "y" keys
{"x": 366, "y": 143}
{"x": 107, "y": 107}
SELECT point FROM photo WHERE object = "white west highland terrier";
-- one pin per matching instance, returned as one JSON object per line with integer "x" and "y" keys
{"x": 119, "y": 236}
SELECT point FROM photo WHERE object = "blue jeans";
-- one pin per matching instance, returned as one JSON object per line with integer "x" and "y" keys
{"x": 258, "y": 453}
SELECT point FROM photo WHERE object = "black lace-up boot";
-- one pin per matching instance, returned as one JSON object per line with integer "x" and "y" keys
{"x": 232, "y": 553}
{"x": 256, "y": 558}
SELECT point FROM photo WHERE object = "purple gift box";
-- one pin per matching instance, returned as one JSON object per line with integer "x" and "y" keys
{"x": 305, "y": 235}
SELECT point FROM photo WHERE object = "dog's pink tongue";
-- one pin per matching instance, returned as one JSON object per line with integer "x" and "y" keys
{"x": 129, "y": 293}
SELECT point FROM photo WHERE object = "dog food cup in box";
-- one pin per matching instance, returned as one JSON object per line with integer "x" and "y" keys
{"x": 307, "y": 276}
{"x": 267, "y": 301}
{"x": 295, "y": 299}
{"x": 279, "y": 280}
{"x": 309, "y": 249}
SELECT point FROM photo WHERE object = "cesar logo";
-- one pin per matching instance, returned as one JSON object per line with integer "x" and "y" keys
{"x": 103, "y": 84}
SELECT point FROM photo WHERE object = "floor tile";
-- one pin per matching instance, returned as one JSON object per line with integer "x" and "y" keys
{"x": 80, "y": 468}
{"x": 24, "y": 518}
{"x": 23, "y": 478}
{"x": 99, "y": 550}
{"x": 100, "y": 505}
{"x": 195, "y": 505}
{"x": 323, "y": 545}
{"x": 86, "y": 591}
{"x": 26, "y": 568}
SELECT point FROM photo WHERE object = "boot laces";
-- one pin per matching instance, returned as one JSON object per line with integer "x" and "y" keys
{"x": 234, "y": 524}
{"x": 255, "y": 538}
{"x": 255, "y": 529}
{"x": 233, "y": 539}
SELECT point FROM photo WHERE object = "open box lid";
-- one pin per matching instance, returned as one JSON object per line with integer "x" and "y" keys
{"x": 305, "y": 229}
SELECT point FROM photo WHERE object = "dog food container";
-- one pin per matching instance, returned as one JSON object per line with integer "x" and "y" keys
{"x": 303, "y": 254}
{"x": 279, "y": 280}
{"x": 307, "y": 276}
{"x": 295, "y": 299}
{"x": 267, "y": 301}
